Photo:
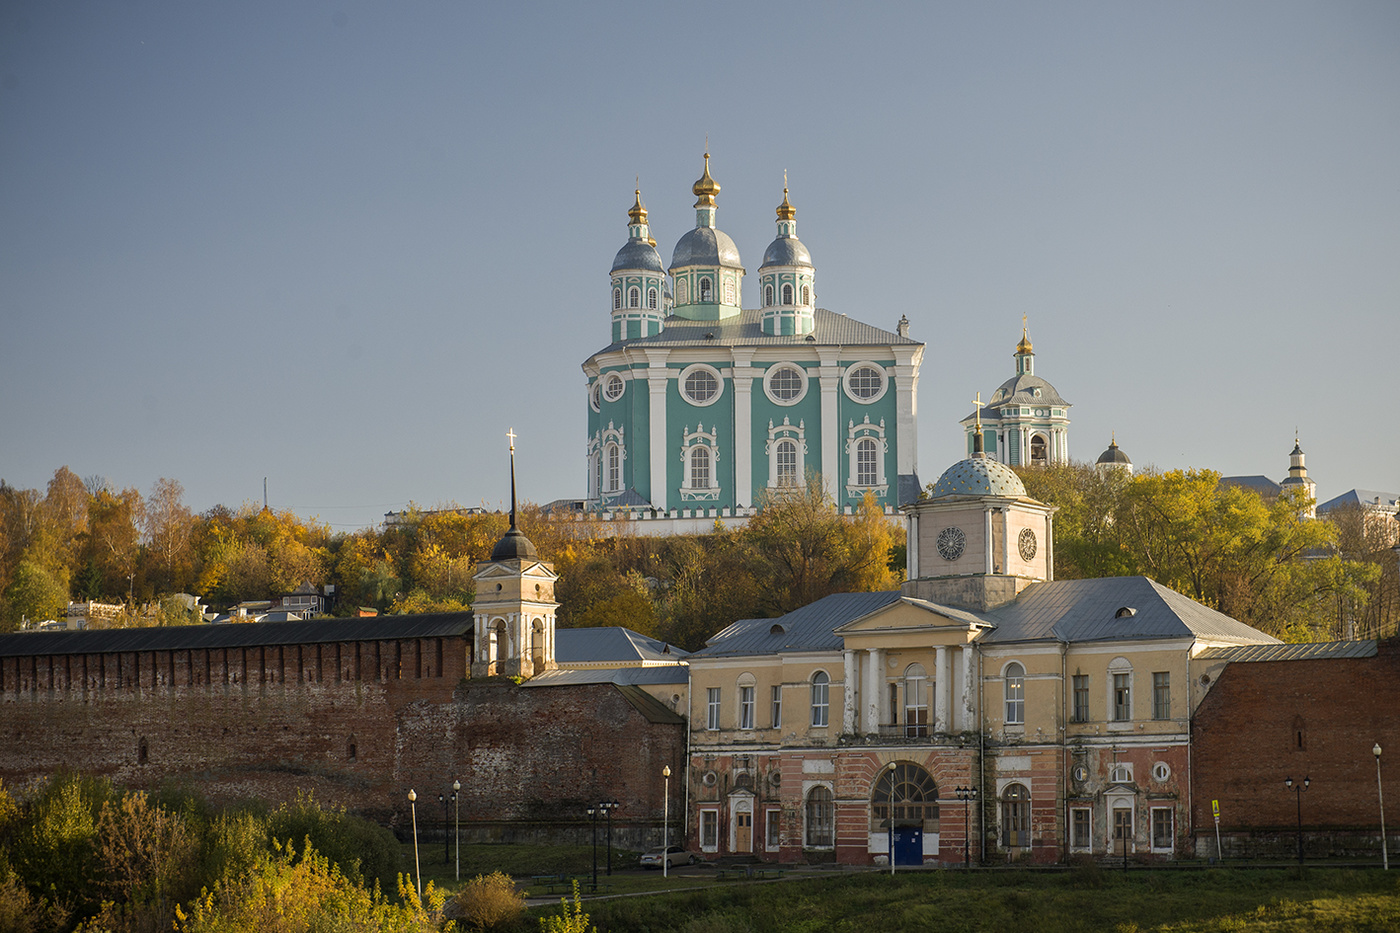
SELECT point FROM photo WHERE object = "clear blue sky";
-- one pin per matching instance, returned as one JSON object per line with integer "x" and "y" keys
{"x": 347, "y": 246}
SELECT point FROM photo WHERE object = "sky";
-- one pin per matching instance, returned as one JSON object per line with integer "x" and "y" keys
{"x": 347, "y": 246}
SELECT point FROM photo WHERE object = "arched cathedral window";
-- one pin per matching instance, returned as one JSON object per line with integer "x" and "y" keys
{"x": 634, "y": 297}
{"x": 651, "y": 298}
{"x": 767, "y": 295}
{"x": 787, "y": 294}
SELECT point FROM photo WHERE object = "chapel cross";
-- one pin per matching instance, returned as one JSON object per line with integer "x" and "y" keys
{"x": 511, "y": 434}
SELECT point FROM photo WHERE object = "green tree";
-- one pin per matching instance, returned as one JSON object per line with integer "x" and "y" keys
{"x": 35, "y": 594}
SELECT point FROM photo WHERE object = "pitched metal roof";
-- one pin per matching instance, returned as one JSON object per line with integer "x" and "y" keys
{"x": 237, "y": 635}
{"x": 667, "y": 674}
{"x": 1370, "y": 498}
{"x": 746, "y": 329}
{"x": 612, "y": 643}
{"x": 1365, "y": 648}
{"x": 649, "y": 706}
{"x": 1260, "y": 484}
{"x": 811, "y": 628}
{"x": 1113, "y": 609}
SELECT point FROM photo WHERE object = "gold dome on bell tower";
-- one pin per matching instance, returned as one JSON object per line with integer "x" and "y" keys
{"x": 706, "y": 188}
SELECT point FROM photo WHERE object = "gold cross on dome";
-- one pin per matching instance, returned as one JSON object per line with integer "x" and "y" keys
{"x": 511, "y": 434}
{"x": 978, "y": 405}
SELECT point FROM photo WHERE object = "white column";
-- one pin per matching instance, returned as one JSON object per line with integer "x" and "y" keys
{"x": 829, "y": 374}
{"x": 871, "y": 690}
{"x": 657, "y": 379}
{"x": 941, "y": 689}
{"x": 987, "y": 532}
{"x": 965, "y": 704}
{"x": 848, "y": 708}
{"x": 743, "y": 425}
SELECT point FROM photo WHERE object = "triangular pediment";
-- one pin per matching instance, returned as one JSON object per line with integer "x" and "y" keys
{"x": 534, "y": 570}
{"x": 910, "y": 615}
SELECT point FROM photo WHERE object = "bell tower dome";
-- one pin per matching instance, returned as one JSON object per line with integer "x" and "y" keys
{"x": 638, "y": 281}
{"x": 705, "y": 266}
{"x": 785, "y": 280}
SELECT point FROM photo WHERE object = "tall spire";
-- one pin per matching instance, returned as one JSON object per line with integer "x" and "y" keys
{"x": 513, "y": 544}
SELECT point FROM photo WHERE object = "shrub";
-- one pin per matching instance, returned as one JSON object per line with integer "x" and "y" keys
{"x": 490, "y": 901}
{"x": 365, "y": 852}
{"x": 570, "y": 919}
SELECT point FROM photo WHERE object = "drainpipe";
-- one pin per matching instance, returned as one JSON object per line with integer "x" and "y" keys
{"x": 981, "y": 761}
{"x": 1064, "y": 740}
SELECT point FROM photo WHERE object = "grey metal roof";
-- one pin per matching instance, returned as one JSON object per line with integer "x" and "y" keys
{"x": 628, "y": 498}
{"x": 1362, "y": 497}
{"x": 1365, "y": 648}
{"x": 1114, "y": 454}
{"x": 612, "y": 643}
{"x": 746, "y": 330}
{"x": 237, "y": 635}
{"x": 786, "y": 251}
{"x": 811, "y": 628}
{"x": 1260, "y": 484}
{"x": 909, "y": 488}
{"x": 705, "y": 246}
{"x": 1090, "y": 610}
{"x": 1019, "y": 390}
{"x": 978, "y": 476}
{"x": 667, "y": 674}
{"x": 638, "y": 254}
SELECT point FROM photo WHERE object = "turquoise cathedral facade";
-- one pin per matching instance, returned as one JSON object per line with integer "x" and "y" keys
{"x": 699, "y": 406}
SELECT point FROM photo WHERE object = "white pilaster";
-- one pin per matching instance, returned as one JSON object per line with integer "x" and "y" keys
{"x": 657, "y": 380}
{"x": 829, "y": 374}
{"x": 906, "y": 383}
{"x": 911, "y": 548}
{"x": 987, "y": 533}
{"x": 743, "y": 425}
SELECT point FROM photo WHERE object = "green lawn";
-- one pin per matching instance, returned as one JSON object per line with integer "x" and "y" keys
{"x": 1200, "y": 900}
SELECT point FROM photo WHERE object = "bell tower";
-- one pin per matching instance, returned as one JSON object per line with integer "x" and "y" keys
{"x": 514, "y": 610}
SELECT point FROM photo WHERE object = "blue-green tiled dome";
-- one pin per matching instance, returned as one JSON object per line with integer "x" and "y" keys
{"x": 978, "y": 476}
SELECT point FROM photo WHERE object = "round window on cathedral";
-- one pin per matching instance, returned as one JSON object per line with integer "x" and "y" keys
{"x": 701, "y": 384}
{"x": 785, "y": 383}
{"x": 595, "y": 396}
{"x": 613, "y": 387}
{"x": 1026, "y": 543}
{"x": 865, "y": 382}
{"x": 951, "y": 541}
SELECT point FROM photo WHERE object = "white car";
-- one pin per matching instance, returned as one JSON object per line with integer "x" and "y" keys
{"x": 675, "y": 855}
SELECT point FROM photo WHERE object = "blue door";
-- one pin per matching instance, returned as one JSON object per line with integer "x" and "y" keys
{"x": 908, "y": 845}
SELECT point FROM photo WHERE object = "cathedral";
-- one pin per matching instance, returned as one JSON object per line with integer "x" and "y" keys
{"x": 698, "y": 406}
{"x": 1026, "y": 422}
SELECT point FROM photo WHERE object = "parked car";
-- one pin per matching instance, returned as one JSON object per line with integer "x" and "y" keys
{"x": 675, "y": 855}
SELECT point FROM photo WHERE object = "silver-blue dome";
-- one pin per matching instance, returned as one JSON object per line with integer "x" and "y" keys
{"x": 978, "y": 476}
{"x": 638, "y": 254}
{"x": 786, "y": 251}
{"x": 705, "y": 246}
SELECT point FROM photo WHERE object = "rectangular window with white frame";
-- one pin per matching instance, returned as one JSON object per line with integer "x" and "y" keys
{"x": 712, "y": 709}
{"x": 1122, "y": 697}
{"x": 772, "y": 828}
{"x": 746, "y": 707}
{"x": 1081, "y": 829}
{"x": 1162, "y": 695}
{"x": 709, "y": 830}
{"x": 1163, "y": 829}
{"x": 777, "y": 706}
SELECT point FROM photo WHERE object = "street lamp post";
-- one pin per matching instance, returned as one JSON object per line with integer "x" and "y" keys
{"x": 1298, "y": 792}
{"x": 417, "y": 872}
{"x": 593, "y": 815}
{"x": 446, "y": 801}
{"x": 1380, "y": 797}
{"x": 666, "y": 817}
{"x": 457, "y": 832}
{"x": 891, "y": 768}
{"x": 608, "y": 806}
{"x": 967, "y": 795}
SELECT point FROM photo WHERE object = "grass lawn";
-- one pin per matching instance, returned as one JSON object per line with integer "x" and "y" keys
{"x": 1088, "y": 898}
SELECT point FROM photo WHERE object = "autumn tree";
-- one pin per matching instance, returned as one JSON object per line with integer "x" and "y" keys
{"x": 169, "y": 527}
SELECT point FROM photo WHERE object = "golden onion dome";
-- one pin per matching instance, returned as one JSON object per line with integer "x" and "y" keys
{"x": 1025, "y": 345}
{"x": 785, "y": 210}
{"x": 638, "y": 213}
{"x": 706, "y": 188}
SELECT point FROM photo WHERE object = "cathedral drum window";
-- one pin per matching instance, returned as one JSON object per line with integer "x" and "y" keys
{"x": 701, "y": 384}
{"x": 1025, "y": 542}
{"x": 951, "y": 541}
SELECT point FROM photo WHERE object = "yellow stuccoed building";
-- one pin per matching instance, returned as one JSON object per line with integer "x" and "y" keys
{"x": 985, "y": 711}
